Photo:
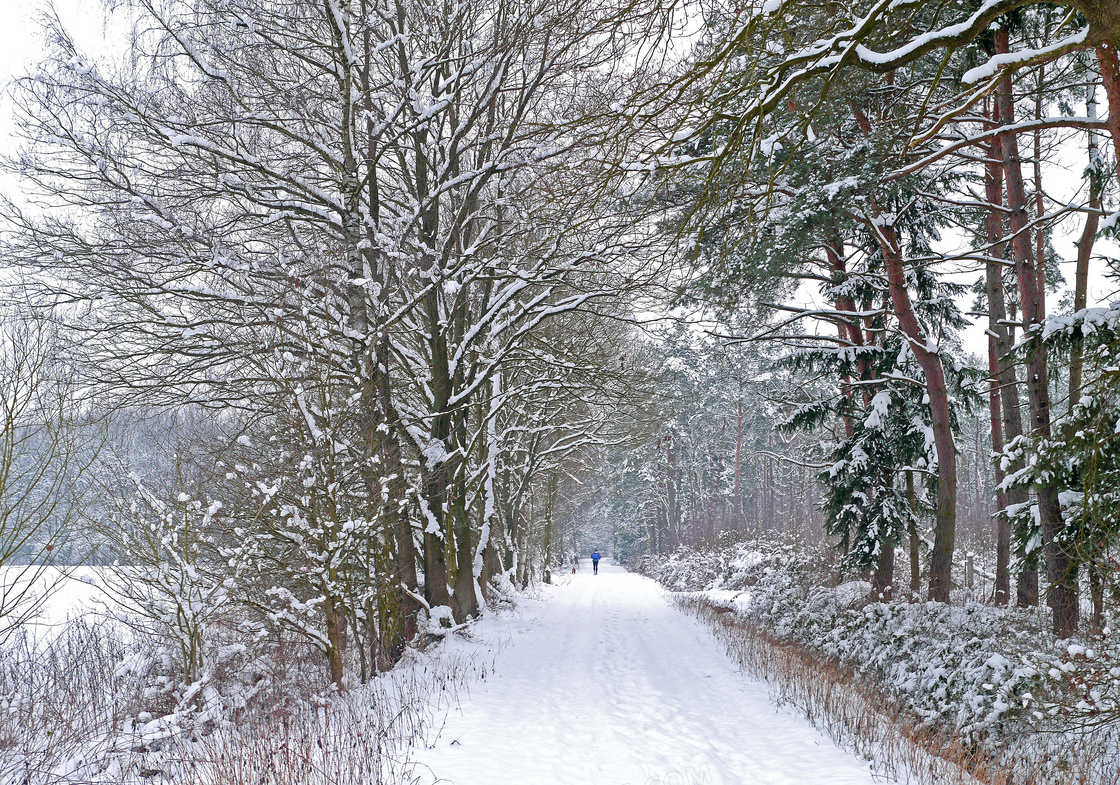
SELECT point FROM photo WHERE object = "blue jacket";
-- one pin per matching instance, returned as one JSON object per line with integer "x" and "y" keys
{"x": 595, "y": 556}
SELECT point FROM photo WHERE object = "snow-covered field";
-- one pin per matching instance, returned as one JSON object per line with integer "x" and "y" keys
{"x": 59, "y": 593}
{"x": 603, "y": 681}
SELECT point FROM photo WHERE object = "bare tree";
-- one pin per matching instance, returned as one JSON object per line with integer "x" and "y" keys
{"x": 336, "y": 223}
{"x": 47, "y": 445}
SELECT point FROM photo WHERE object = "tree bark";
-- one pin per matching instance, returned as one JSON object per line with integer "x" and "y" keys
{"x": 945, "y": 518}
{"x": 672, "y": 514}
{"x": 1080, "y": 298}
{"x": 435, "y": 561}
{"x": 1039, "y": 203}
{"x": 937, "y": 392}
{"x": 334, "y": 623}
{"x": 882, "y": 585}
{"x": 847, "y": 329}
{"x": 464, "y": 600}
{"x": 1096, "y": 592}
{"x": 739, "y": 457}
{"x": 1061, "y": 567}
{"x": 1110, "y": 77}
{"x": 1003, "y": 527}
{"x": 404, "y": 550}
{"x": 915, "y": 541}
{"x": 999, "y": 344}
{"x": 1085, "y": 250}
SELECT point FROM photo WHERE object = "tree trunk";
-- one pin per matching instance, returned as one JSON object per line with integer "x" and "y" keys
{"x": 1061, "y": 568}
{"x": 672, "y": 515}
{"x": 435, "y": 562}
{"x": 937, "y": 392}
{"x": 915, "y": 540}
{"x": 1080, "y": 297}
{"x": 464, "y": 601}
{"x": 1026, "y": 582}
{"x": 1003, "y": 527}
{"x": 395, "y": 512}
{"x": 1110, "y": 77}
{"x": 437, "y": 469}
{"x": 1085, "y": 249}
{"x": 1039, "y": 202}
{"x": 739, "y": 460}
{"x": 335, "y": 623}
{"x": 945, "y": 519}
{"x": 999, "y": 345}
{"x": 491, "y": 565}
{"x": 883, "y": 584}
{"x": 1096, "y": 592}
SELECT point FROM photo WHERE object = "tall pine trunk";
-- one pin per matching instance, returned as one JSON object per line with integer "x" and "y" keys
{"x": 1085, "y": 249}
{"x": 937, "y": 393}
{"x": 1110, "y": 77}
{"x": 999, "y": 345}
{"x": 739, "y": 458}
{"x": 945, "y": 518}
{"x": 1080, "y": 298}
{"x": 1061, "y": 568}
{"x": 672, "y": 512}
{"x": 915, "y": 540}
{"x": 1003, "y": 526}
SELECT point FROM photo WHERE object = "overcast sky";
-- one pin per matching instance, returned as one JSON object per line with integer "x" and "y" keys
{"x": 21, "y": 46}
{"x": 21, "y": 42}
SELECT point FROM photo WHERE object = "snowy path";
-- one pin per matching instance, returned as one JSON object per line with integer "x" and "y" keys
{"x": 605, "y": 683}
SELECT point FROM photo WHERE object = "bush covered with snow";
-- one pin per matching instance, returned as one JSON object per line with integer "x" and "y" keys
{"x": 975, "y": 670}
{"x": 103, "y": 703}
{"x": 734, "y": 566}
{"x": 968, "y": 668}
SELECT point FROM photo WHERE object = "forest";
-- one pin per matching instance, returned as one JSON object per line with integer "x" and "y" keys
{"x": 329, "y": 327}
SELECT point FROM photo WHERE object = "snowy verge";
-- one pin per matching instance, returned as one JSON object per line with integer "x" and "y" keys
{"x": 988, "y": 679}
{"x": 851, "y": 711}
{"x": 89, "y": 705}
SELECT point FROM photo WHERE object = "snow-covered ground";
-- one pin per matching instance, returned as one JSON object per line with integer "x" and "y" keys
{"x": 59, "y": 593}
{"x": 604, "y": 682}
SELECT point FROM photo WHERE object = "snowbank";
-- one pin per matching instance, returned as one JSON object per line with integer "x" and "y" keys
{"x": 58, "y": 594}
{"x": 980, "y": 672}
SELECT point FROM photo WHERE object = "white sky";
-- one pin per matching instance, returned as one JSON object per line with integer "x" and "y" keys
{"x": 21, "y": 46}
{"x": 21, "y": 40}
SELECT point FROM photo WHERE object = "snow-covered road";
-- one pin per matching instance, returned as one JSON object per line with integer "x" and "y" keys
{"x": 603, "y": 682}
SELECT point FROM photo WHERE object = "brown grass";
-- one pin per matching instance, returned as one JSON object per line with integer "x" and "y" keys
{"x": 364, "y": 737}
{"x": 860, "y": 715}
{"x": 68, "y": 715}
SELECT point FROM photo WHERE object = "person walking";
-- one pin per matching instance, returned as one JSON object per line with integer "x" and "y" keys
{"x": 595, "y": 562}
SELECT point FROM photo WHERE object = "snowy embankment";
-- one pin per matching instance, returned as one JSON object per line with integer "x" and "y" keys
{"x": 989, "y": 679}
{"x": 597, "y": 679}
{"x": 58, "y": 594}
{"x": 85, "y": 699}
{"x": 604, "y": 681}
